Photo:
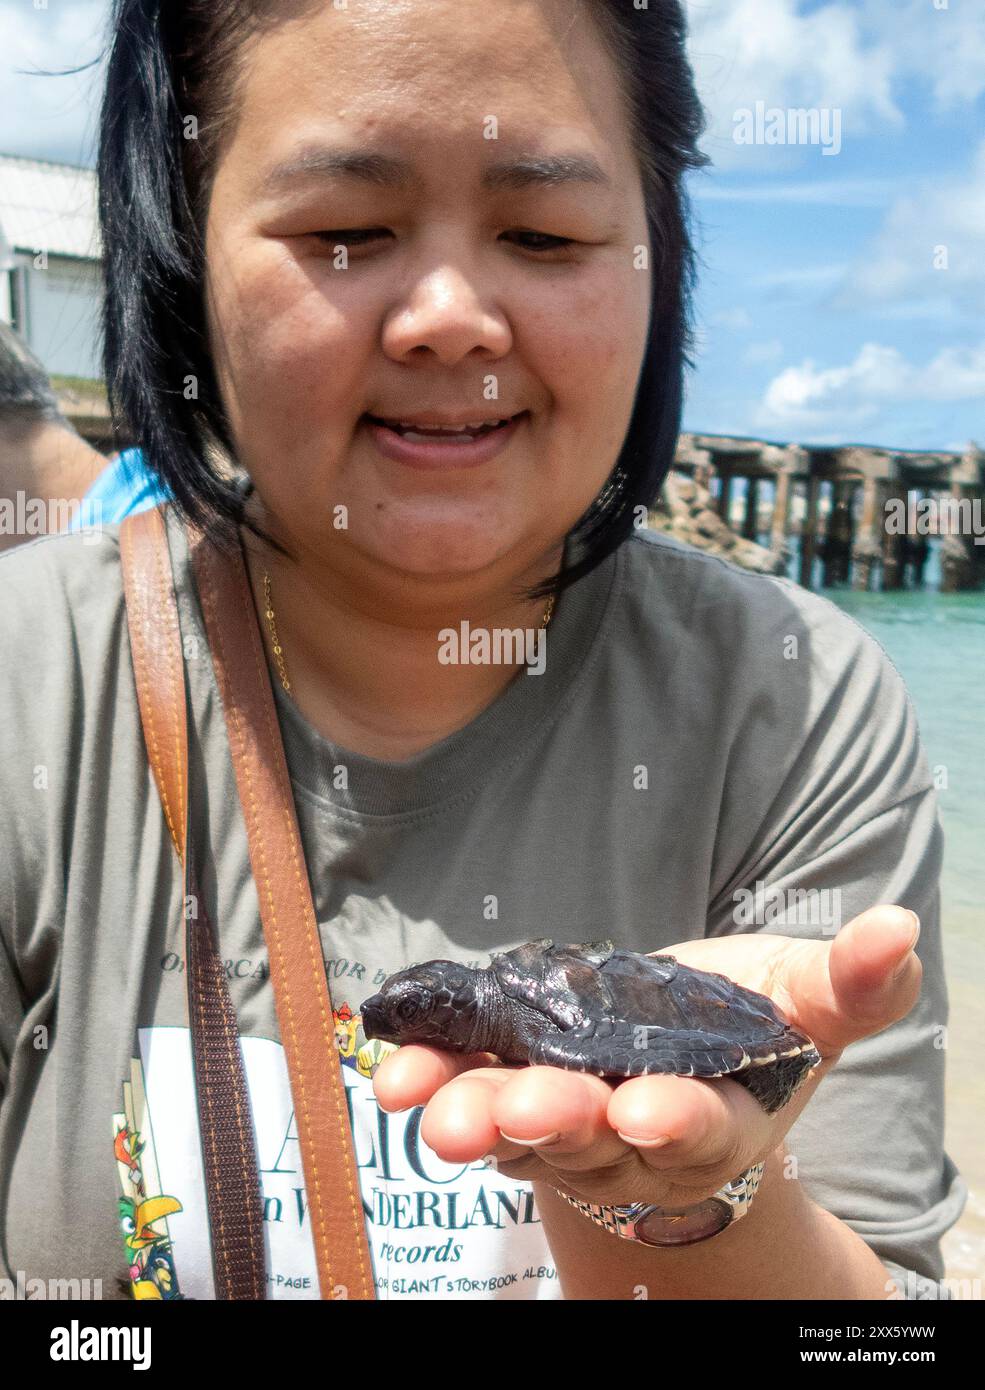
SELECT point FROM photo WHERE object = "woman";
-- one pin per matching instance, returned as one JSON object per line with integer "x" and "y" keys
{"x": 338, "y": 240}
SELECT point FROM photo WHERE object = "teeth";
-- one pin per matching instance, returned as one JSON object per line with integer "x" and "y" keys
{"x": 444, "y": 429}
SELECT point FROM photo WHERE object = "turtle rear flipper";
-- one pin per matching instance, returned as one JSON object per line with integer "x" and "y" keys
{"x": 616, "y": 1048}
{"x": 775, "y": 1085}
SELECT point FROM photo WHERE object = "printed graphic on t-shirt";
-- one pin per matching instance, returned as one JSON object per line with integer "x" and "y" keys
{"x": 144, "y": 1207}
{"x": 435, "y": 1229}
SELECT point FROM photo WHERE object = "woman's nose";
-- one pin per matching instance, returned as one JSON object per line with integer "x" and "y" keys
{"x": 447, "y": 314}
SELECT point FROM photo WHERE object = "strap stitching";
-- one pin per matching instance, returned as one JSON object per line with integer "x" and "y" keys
{"x": 169, "y": 608}
{"x": 195, "y": 946}
{"x": 230, "y": 1039}
{"x": 317, "y": 970}
{"x": 140, "y": 666}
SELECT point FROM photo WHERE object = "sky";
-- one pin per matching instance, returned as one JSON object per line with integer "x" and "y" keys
{"x": 841, "y": 287}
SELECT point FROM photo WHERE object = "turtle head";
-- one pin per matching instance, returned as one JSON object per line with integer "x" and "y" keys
{"x": 436, "y": 1003}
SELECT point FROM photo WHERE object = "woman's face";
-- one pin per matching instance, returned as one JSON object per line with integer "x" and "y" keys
{"x": 458, "y": 302}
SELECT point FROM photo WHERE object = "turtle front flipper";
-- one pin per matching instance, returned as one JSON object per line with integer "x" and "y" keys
{"x": 615, "y": 1048}
{"x": 563, "y": 983}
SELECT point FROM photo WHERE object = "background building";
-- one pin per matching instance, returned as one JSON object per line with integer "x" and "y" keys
{"x": 51, "y": 280}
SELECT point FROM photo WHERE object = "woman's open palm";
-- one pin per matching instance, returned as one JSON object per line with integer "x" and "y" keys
{"x": 664, "y": 1139}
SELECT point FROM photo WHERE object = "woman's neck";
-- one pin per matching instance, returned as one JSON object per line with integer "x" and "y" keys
{"x": 361, "y": 652}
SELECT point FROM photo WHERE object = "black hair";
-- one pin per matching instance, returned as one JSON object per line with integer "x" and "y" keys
{"x": 171, "y": 60}
{"x": 26, "y": 395}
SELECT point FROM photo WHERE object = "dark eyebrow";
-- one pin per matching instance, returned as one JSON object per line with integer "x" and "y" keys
{"x": 389, "y": 171}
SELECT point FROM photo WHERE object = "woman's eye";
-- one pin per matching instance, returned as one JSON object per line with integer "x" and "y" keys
{"x": 529, "y": 241}
{"x": 541, "y": 241}
{"x": 358, "y": 236}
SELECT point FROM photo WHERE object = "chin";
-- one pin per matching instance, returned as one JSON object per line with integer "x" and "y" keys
{"x": 458, "y": 545}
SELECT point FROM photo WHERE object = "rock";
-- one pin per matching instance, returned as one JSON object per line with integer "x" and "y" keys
{"x": 710, "y": 524}
{"x": 687, "y": 510}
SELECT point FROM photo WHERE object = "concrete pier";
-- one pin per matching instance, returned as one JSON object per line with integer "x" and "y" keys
{"x": 866, "y": 513}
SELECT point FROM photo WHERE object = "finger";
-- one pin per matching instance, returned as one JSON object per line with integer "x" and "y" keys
{"x": 856, "y": 985}
{"x": 411, "y": 1075}
{"x": 458, "y": 1121}
{"x": 875, "y": 972}
{"x": 530, "y": 1110}
{"x": 559, "y": 1115}
{"x": 692, "y": 1127}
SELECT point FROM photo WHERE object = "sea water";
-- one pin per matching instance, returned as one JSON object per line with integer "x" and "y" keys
{"x": 937, "y": 643}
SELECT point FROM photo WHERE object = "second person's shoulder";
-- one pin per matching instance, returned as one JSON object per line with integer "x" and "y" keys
{"x": 69, "y": 580}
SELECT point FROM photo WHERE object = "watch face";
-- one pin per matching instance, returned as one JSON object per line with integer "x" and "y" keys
{"x": 683, "y": 1226}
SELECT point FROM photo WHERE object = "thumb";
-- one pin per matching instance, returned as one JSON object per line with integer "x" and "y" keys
{"x": 867, "y": 979}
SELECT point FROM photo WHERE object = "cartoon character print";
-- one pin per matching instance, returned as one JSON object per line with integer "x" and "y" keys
{"x": 149, "y": 1253}
{"x": 143, "y": 1209}
{"x": 364, "y": 1056}
{"x": 346, "y": 1025}
{"x": 152, "y": 1271}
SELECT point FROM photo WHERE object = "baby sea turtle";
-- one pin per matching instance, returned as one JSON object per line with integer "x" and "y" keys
{"x": 596, "y": 1008}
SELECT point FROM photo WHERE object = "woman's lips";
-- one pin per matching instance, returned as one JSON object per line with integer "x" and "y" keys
{"x": 437, "y": 453}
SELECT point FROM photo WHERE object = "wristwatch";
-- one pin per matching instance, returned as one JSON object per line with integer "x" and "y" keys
{"x": 652, "y": 1225}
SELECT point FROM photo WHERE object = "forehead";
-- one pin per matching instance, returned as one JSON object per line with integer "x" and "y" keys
{"x": 441, "y": 75}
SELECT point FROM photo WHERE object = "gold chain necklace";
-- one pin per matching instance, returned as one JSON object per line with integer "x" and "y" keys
{"x": 279, "y": 650}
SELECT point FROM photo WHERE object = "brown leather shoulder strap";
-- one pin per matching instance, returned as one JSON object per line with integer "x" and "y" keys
{"x": 229, "y": 1156}
{"x": 297, "y": 967}
{"x": 301, "y": 995}
{"x": 155, "y": 641}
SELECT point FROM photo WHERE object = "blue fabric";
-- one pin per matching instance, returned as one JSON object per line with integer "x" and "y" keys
{"x": 123, "y": 487}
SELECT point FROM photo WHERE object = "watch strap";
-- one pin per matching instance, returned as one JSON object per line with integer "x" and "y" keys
{"x": 737, "y": 1194}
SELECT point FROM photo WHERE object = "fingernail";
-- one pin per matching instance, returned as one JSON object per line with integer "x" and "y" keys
{"x": 903, "y": 964}
{"x": 639, "y": 1143}
{"x": 544, "y": 1139}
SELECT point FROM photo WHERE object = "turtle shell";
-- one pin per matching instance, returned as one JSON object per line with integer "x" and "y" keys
{"x": 619, "y": 1013}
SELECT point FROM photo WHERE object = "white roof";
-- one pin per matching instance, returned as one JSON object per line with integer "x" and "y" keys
{"x": 46, "y": 206}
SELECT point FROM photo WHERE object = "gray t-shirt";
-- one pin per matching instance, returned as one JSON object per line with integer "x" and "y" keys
{"x": 704, "y": 748}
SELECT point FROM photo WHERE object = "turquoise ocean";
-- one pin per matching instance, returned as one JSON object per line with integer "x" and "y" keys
{"x": 937, "y": 643}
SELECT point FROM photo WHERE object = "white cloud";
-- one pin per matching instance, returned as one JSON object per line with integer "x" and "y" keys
{"x": 899, "y": 263}
{"x": 744, "y": 51}
{"x": 858, "y": 58}
{"x": 808, "y": 397}
{"x": 944, "y": 48}
{"x": 51, "y": 117}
